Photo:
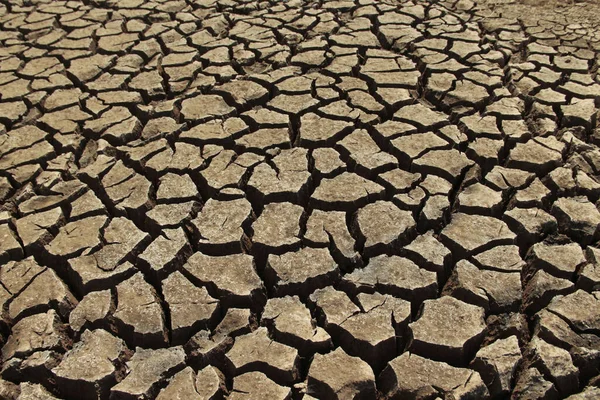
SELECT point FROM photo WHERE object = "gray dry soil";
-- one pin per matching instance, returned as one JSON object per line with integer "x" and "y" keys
{"x": 299, "y": 200}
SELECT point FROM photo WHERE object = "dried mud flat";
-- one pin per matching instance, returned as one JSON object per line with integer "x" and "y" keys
{"x": 299, "y": 200}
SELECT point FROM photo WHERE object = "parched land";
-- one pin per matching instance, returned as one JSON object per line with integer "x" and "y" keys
{"x": 299, "y": 200}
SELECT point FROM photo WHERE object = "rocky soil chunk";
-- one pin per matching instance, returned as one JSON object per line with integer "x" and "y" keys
{"x": 147, "y": 369}
{"x": 578, "y": 218}
{"x": 220, "y": 225}
{"x": 555, "y": 364}
{"x": 190, "y": 307}
{"x": 530, "y": 224}
{"x": 316, "y": 130}
{"x": 383, "y": 225}
{"x": 34, "y": 230}
{"x": 165, "y": 253}
{"x": 286, "y": 178}
{"x": 344, "y": 192}
{"x": 471, "y": 234}
{"x": 176, "y": 188}
{"x": 542, "y": 288}
{"x": 329, "y": 228}
{"x": 427, "y": 251}
{"x": 495, "y": 291}
{"x": 291, "y": 323}
{"x": 338, "y": 375}
{"x": 139, "y": 314}
{"x": 448, "y": 330}
{"x": 532, "y": 385}
{"x": 560, "y": 260}
{"x": 9, "y": 245}
{"x": 449, "y": 164}
{"x": 93, "y": 309}
{"x": 76, "y": 238}
{"x": 386, "y": 315}
{"x": 255, "y": 385}
{"x": 34, "y": 391}
{"x": 394, "y": 275}
{"x": 364, "y": 153}
{"x": 110, "y": 264}
{"x": 35, "y": 333}
{"x": 502, "y": 258}
{"x": 553, "y": 329}
{"x": 301, "y": 272}
{"x": 480, "y": 199}
{"x": 497, "y": 364}
{"x": 537, "y": 155}
{"x": 277, "y": 228}
{"x": 256, "y": 351}
{"x": 44, "y": 291}
{"x": 128, "y": 191}
{"x": 90, "y": 367}
{"x": 579, "y": 309}
{"x": 412, "y": 376}
{"x": 186, "y": 384}
{"x": 232, "y": 279}
{"x": 205, "y": 107}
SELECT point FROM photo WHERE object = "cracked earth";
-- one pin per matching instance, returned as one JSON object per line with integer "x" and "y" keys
{"x": 299, "y": 200}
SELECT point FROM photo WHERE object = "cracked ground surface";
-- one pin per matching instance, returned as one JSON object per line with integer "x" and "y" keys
{"x": 299, "y": 200}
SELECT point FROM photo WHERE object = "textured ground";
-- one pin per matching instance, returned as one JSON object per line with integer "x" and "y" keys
{"x": 302, "y": 199}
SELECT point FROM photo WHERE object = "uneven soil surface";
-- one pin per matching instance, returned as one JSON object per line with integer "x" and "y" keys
{"x": 299, "y": 200}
